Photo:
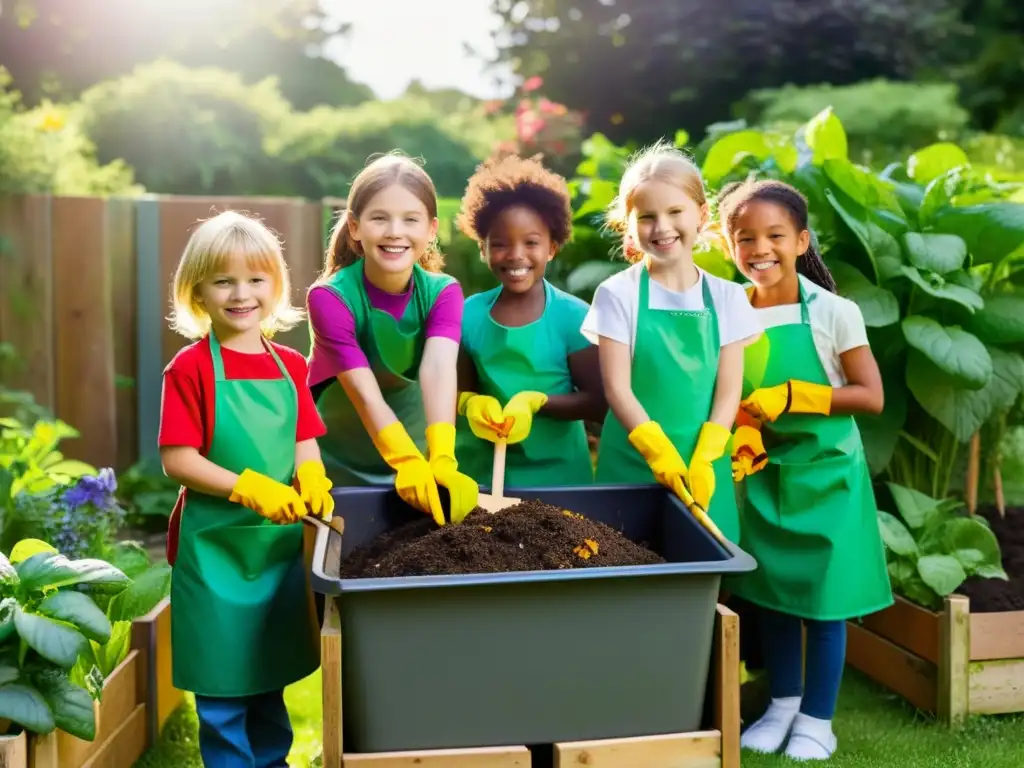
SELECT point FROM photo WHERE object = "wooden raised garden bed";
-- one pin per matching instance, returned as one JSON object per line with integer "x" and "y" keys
{"x": 715, "y": 748}
{"x": 952, "y": 663}
{"x": 151, "y": 637}
{"x": 138, "y": 697}
{"x": 121, "y": 732}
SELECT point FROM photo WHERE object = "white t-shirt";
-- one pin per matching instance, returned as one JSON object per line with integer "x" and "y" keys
{"x": 613, "y": 312}
{"x": 836, "y": 323}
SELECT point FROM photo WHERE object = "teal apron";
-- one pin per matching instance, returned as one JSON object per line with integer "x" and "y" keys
{"x": 394, "y": 349}
{"x": 809, "y": 517}
{"x": 243, "y": 621}
{"x": 512, "y": 360}
{"x": 675, "y": 366}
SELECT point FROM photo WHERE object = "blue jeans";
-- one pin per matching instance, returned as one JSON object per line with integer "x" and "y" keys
{"x": 826, "y": 656}
{"x": 244, "y": 732}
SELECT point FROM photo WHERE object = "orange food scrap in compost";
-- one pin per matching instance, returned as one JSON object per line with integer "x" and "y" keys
{"x": 486, "y": 528}
{"x": 569, "y": 513}
{"x": 586, "y": 550}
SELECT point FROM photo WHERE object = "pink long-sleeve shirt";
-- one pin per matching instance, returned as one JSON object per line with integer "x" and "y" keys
{"x": 335, "y": 346}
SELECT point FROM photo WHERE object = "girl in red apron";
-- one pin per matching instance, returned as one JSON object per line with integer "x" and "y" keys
{"x": 671, "y": 339}
{"x": 809, "y": 515}
{"x": 238, "y": 430}
{"x": 386, "y": 323}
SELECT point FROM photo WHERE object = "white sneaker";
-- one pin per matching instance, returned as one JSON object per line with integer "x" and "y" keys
{"x": 769, "y": 733}
{"x": 811, "y": 739}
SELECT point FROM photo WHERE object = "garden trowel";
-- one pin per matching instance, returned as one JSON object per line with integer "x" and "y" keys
{"x": 496, "y": 500}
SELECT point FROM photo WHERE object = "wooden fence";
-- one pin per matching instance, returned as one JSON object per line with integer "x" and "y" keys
{"x": 84, "y": 297}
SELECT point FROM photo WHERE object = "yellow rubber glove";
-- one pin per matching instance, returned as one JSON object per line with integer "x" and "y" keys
{"x": 748, "y": 453}
{"x": 462, "y": 489}
{"x": 769, "y": 403}
{"x": 710, "y": 446}
{"x": 659, "y": 453}
{"x": 414, "y": 481}
{"x": 315, "y": 489}
{"x": 276, "y": 501}
{"x": 483, "y": 413}
{"x": 520, "y": 409}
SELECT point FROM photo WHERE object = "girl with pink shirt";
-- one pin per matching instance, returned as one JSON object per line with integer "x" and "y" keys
{"x": 386, "y": 327}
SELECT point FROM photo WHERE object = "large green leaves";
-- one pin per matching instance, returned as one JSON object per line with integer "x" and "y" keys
{"x": 992, "y": 231}
{"x": 878, "y": 305}
{"x": 915, "y": 508}
{"x": 895, "y": 535}
{"x": 882, "y": 249}
{"x": 70, "y": 704}
{"x": 942, "y": 288}
{"x": 939, "y": 253}
{"x": 933, "y": 161}
{"x": 53, "y": 640}
{"x": 49, "y": 570}
{"x": 730, "y": 150}
{"x": 1000, "y": 321}
{"x": 826, "y": 137}
{"x": 963, "y": 411}
{"x": 142, "y": 595}
{"x": 954, "y": 351}
{"x": 943, "y": 573}
{"x": 80, "y": 611}
{"x": 24, "y": 705}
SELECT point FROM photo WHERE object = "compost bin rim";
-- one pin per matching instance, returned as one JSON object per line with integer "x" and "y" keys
{"x": 737, "y": 561}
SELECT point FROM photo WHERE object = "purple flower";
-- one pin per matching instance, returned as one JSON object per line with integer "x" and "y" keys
{"x": 97, "y": 490}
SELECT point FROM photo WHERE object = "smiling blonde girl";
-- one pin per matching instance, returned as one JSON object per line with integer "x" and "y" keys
{"x": 671, "y": 339}
{"x": 238, "y": 428}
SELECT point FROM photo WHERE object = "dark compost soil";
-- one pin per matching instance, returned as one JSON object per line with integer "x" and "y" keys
{"x": 530, "y": 536}
{"x": 992, "y": 595}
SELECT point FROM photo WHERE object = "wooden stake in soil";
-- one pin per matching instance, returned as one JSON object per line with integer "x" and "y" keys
{"x": 997, "y": 483}
{"x": 973, "y": 460}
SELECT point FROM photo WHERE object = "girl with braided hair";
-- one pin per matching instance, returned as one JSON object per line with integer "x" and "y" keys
{"x": 809, "y": 516}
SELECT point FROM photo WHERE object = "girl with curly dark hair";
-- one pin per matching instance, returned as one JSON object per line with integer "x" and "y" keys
{"x": 525, "y": 368}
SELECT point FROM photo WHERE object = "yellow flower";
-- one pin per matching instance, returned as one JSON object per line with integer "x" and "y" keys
{"x": 52, "y": 120}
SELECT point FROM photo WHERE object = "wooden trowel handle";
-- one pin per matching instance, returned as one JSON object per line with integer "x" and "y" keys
{"x": 498, "y": 475}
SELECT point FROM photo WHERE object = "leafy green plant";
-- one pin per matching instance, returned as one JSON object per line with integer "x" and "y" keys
{"x": 932, "y": 251}
{"x": 931, "y": 548}
{"x": 47, "y": 620}
{"x": 99, "y": 660}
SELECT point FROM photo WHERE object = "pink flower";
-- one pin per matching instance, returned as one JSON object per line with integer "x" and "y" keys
{"x": 533, "y": 83}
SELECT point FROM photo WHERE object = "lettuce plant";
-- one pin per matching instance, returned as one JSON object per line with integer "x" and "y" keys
{"x": 932, "y": 547}
{"x": 47, "y": 621}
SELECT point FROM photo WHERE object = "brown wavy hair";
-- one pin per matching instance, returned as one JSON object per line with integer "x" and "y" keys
{"x": 342, "y": 249}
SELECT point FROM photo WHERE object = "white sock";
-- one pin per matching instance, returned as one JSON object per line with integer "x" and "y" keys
{"x": 769, "y": 733}
{"x": 811, "y": 739}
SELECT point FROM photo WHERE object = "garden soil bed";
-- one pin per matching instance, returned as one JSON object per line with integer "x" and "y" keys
{"x": 530, "y": 536}
{"x": 996, "y": 595}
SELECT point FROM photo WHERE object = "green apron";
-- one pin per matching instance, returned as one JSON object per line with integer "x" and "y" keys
{"x": 809, "y": 517}
{"x": 512, "y": 360}
{"x": 675, "y": 366}
{"x": 394, "y": 349}
{"x": 243, "y": 623}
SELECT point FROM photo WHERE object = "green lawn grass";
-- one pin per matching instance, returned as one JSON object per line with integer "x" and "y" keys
{"x": 875, "y": 729}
